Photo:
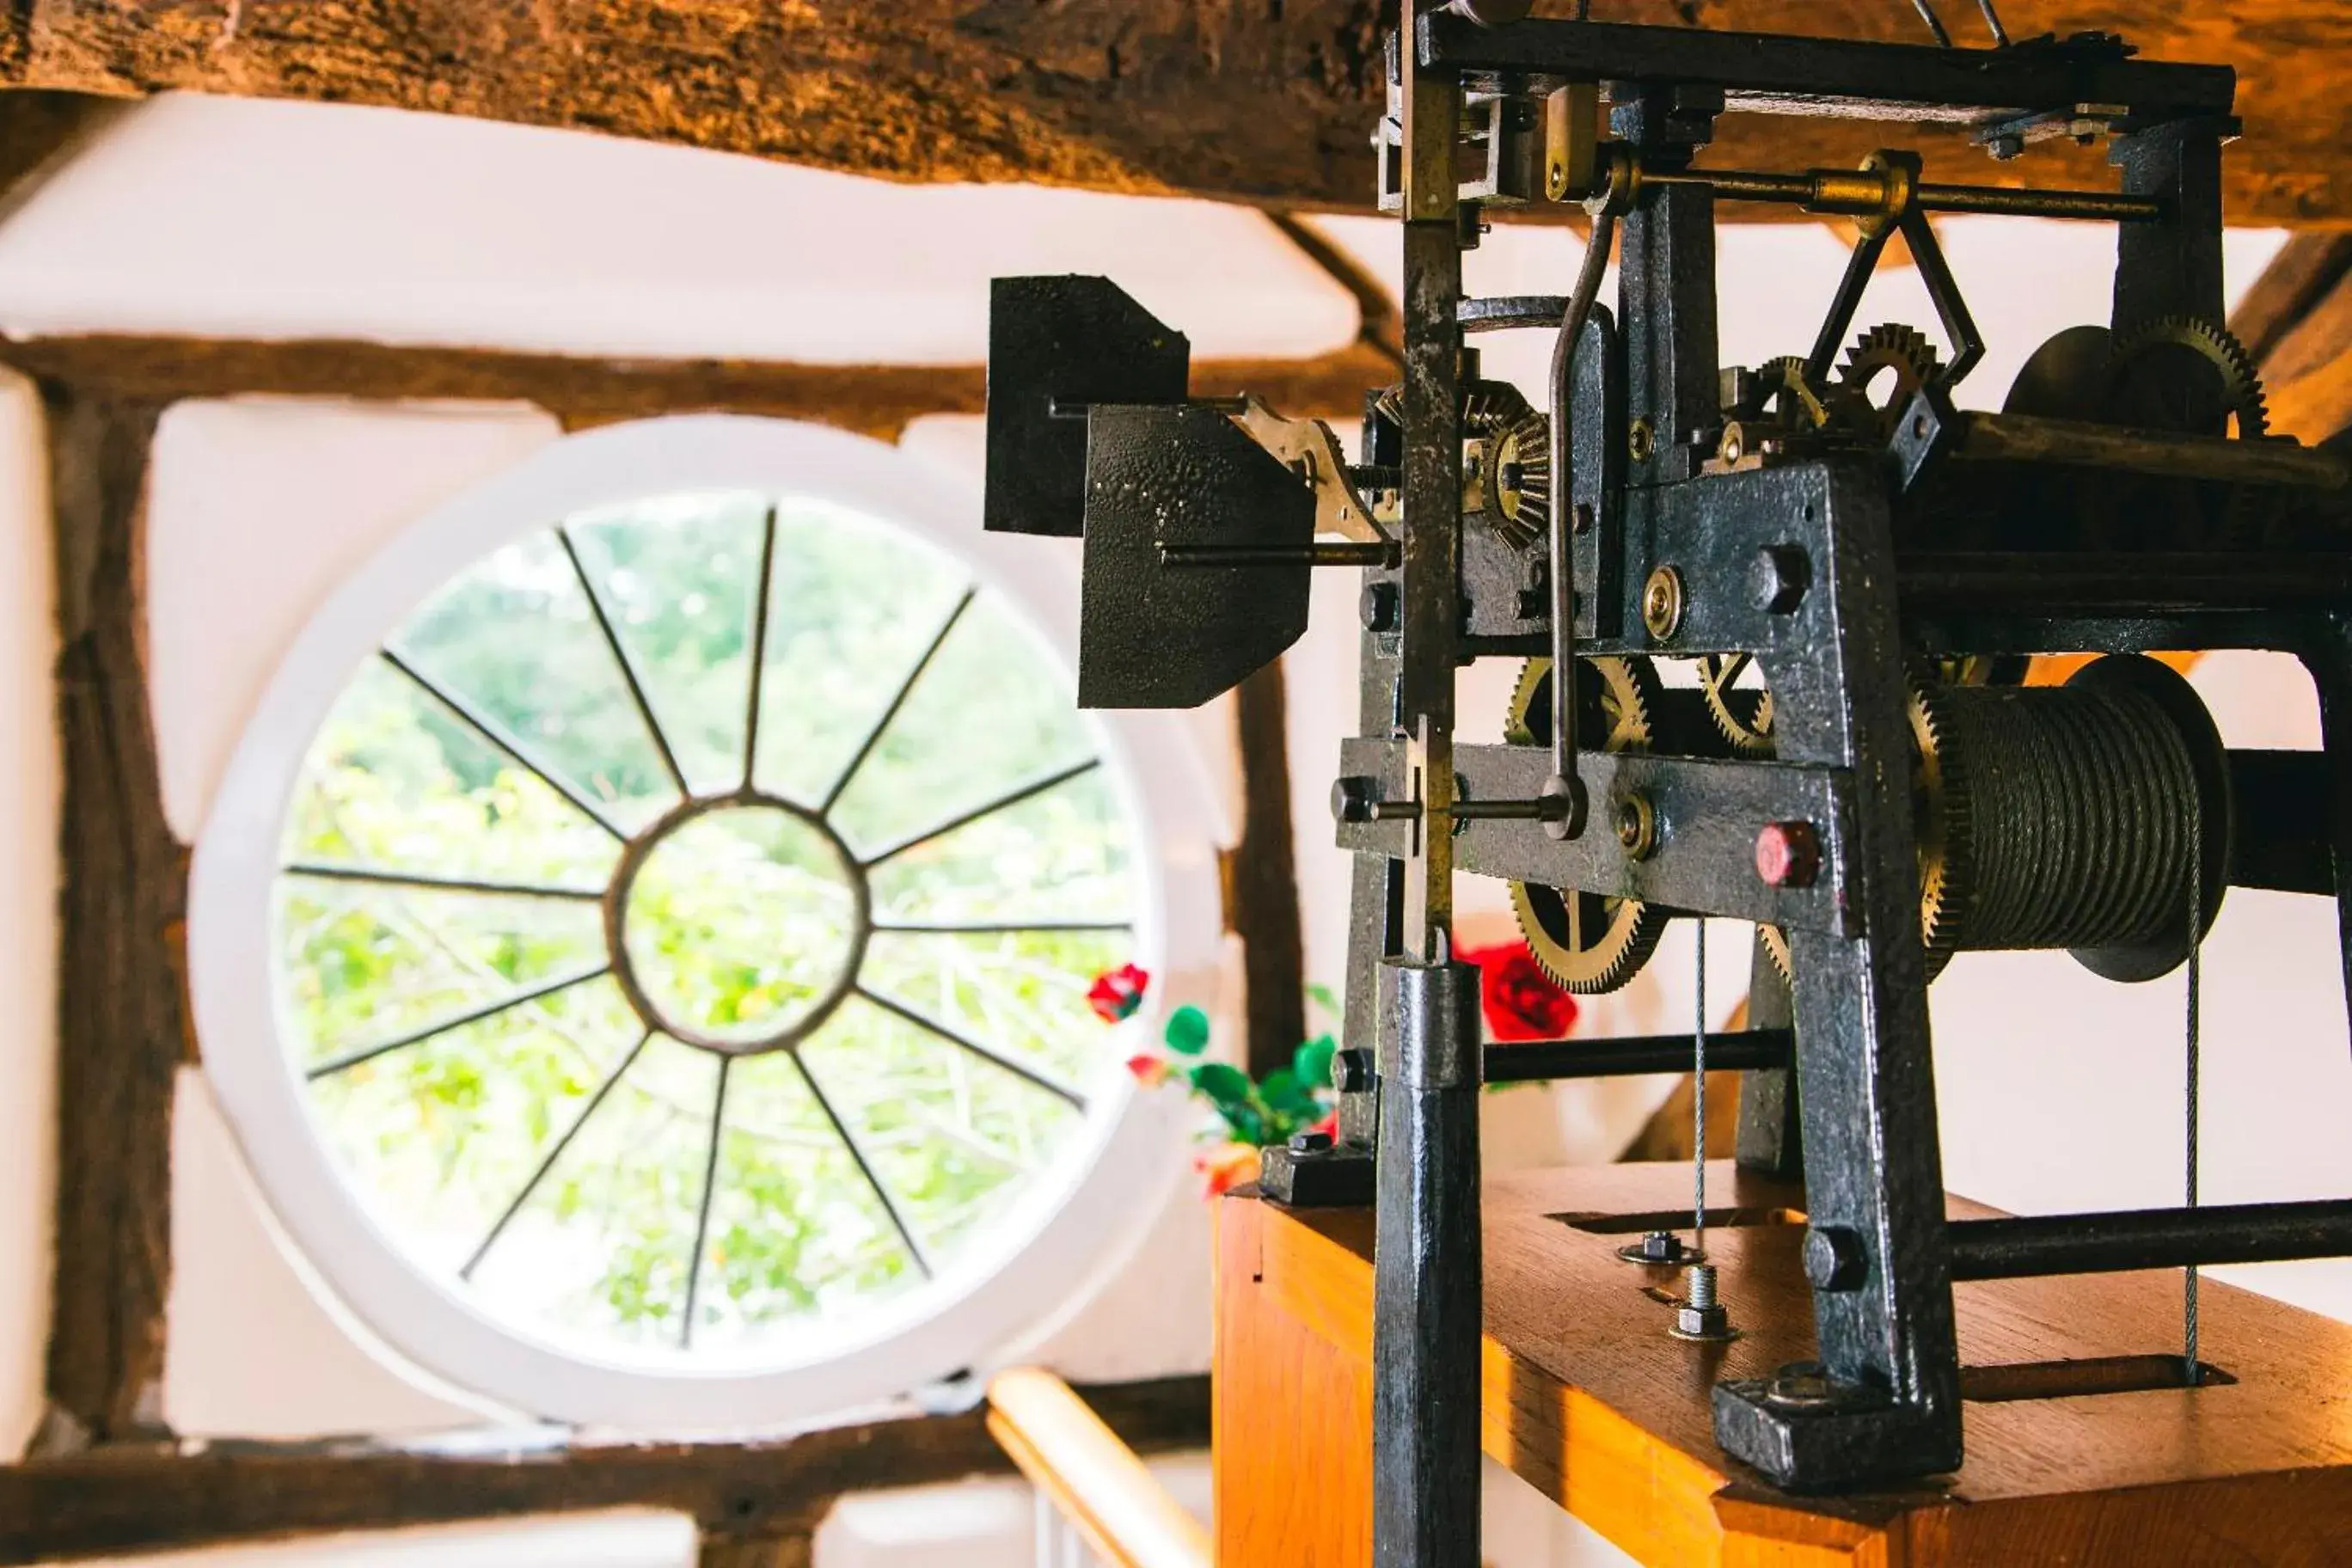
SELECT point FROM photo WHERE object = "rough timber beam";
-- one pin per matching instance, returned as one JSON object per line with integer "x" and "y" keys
{"x": 1263, "y": 103}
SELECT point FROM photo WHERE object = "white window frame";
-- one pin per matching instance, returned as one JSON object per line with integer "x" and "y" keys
{"x": 1063, "y": 1240}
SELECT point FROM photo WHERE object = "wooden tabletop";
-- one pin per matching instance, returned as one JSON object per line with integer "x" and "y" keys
{"x": 1591, "y": 1400}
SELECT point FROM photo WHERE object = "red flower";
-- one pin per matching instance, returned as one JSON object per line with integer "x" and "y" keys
{"x": 1519, "y": 1000}
{"x": 1117, "y": 992}
{"x": 1225, "y": 1167}
{"x": 1149, "y": 1070}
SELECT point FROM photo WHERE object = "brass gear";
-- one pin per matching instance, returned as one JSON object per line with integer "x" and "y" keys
{"x": 1518, "y": 501}
{"x": 2240, "y": 385}
{"x": 1891, "y": 347}
{"x": 1742, "y": 715}
{"x": 1587, "y": 942}
{"x": 1945, "y": 851}
{"x": 1487, "y": 407}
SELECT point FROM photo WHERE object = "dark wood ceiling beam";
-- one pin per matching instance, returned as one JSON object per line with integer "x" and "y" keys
{"x": 137, "y": 1498}
{"x": 2296, "y": 322}
{"x": 1267, "y": 103}
{"x": 875, "y": 400}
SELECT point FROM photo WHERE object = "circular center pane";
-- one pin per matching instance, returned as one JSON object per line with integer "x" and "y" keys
{"x": 742, "y": 924}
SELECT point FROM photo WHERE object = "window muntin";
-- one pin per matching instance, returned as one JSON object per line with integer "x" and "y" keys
{"x": 529, "y": 879}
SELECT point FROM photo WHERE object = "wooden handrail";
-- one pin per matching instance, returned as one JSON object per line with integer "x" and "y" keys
{"x": 1092, "y": 1479}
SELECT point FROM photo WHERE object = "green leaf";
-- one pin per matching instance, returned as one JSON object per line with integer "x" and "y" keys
{"x": 1188, "y": 1032}
{"x": 1311, "y": 1063}
{"x": 1322, "y": 997}
{"x": 1223, "y": 1084}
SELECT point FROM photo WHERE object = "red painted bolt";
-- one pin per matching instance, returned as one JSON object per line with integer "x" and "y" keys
{"x": 1787, "y": 854}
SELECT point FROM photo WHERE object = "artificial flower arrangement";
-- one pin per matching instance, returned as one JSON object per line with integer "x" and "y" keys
{"x": 1520, "y": 1001}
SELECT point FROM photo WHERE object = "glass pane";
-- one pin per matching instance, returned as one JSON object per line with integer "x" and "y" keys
{"x": 795, "y": 1231}
{"x": 395, "y": 780}
{"x": 516, "y": 637}
{"x": 601, "y": 1250}
{"x": 955, "y": 1138}
{"x": 678, "y": 575}
{"x": 443, "y": 1133}
{"x": 365, "y": 963}
{"x": 740, "y": 921}
{"x": 1061, "y": 855}
{"x": 990, "y": 713}
{"x": 852, "y": 605}
{"x": 1023, "y": 992}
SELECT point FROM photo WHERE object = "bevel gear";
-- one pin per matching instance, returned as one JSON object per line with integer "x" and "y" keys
{"x": 1742, "y": 714}
{"x": 1890, "y": 346}
{"x": 1587, "y": 942}
{"x": 1518, "y": 499}
{"x": 2236, "y": 395}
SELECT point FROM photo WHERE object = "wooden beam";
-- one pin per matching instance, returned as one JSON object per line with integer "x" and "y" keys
{"x": 748, "y": 1497}
{"x": 39, "y": 132}
{"x": 122, "y": 1031}
{"x": 875, "y": 400}
{"x": 1268, "y": 103}
{"x": 1262, "y": 877}
{"x": 2298, "y": 278}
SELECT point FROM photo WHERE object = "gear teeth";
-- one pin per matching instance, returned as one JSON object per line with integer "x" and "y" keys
{"x": 2242, "y": 379}
{"x": 1893, "y": 345}
{"x": 1576, "y": 956}
{"x": 1528, "y": 444}
{"x": 1947, "y": 849}
{"x": 1776, "y": 948}
{"x": 1747, "y": 725}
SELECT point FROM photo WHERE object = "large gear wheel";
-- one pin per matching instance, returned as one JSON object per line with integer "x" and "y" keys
{"x": 1588, "y": 942}
{"x": 1742, "y": 714}
{"x": 2151, "y": 393}
{"x": 1873, "y": 396}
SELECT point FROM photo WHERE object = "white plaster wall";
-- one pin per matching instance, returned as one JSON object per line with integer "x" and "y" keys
{"x": 229, "y": 218}
{"x": 29, "y": 776}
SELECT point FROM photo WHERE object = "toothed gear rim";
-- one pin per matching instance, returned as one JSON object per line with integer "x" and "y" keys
{"x": 1741, "y": 715}
{"x": 1895, "y": 346}
{"x": 2242, "y": 383}
{"x": 1617, "y": 698}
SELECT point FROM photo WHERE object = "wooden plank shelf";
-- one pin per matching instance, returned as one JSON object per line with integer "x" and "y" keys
{"x": 1588, "y": 1398}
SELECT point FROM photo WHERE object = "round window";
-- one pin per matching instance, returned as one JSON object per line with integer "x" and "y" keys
{"x": 671, "y": 932}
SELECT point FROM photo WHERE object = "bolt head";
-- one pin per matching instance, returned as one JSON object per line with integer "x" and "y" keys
{"x": 1779, "y": 577}
{"x": 1310, "y": 1143}
{"x": 1834, "y": 1258}
{"x": 1352, "y": 798}
{"x": 1352, "y": 1070}
{"x": 1787, "y": 854}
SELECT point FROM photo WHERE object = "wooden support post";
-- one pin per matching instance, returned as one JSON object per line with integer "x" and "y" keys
{"x": 1262, "y": 877}
{"x": 120, "y": 1026}
{"x": 790, "y": 1549}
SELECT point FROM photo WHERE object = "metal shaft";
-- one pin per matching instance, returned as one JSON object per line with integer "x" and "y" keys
{"x": 2026, "y": 1247}
{"x": 1748, "y": 1050}
{"x": 1426, "y": 1271}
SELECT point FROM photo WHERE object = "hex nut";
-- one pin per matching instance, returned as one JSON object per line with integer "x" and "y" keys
{"x": 1310, "y": 1143}
{"x": 1352, "y": 1070}
{"x": 1352, "y": 798}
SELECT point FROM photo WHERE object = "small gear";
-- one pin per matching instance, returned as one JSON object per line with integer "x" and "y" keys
{"x": 1587, "y": 942}
{"x": 2151, "y": 394}
{"x": 1946, "y": 850}
{"x": 1795, "y": 400}
{"x": 1903, "y": 350}
{"x": 1776, "y": 948}
{"x": 1519, "y": 501}
{"x": 1742, "y": 714}
{"x": 1487, "y": 407}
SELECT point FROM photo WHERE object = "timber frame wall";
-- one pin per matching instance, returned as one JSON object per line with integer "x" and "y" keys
{"x": 106, "y": 1475}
